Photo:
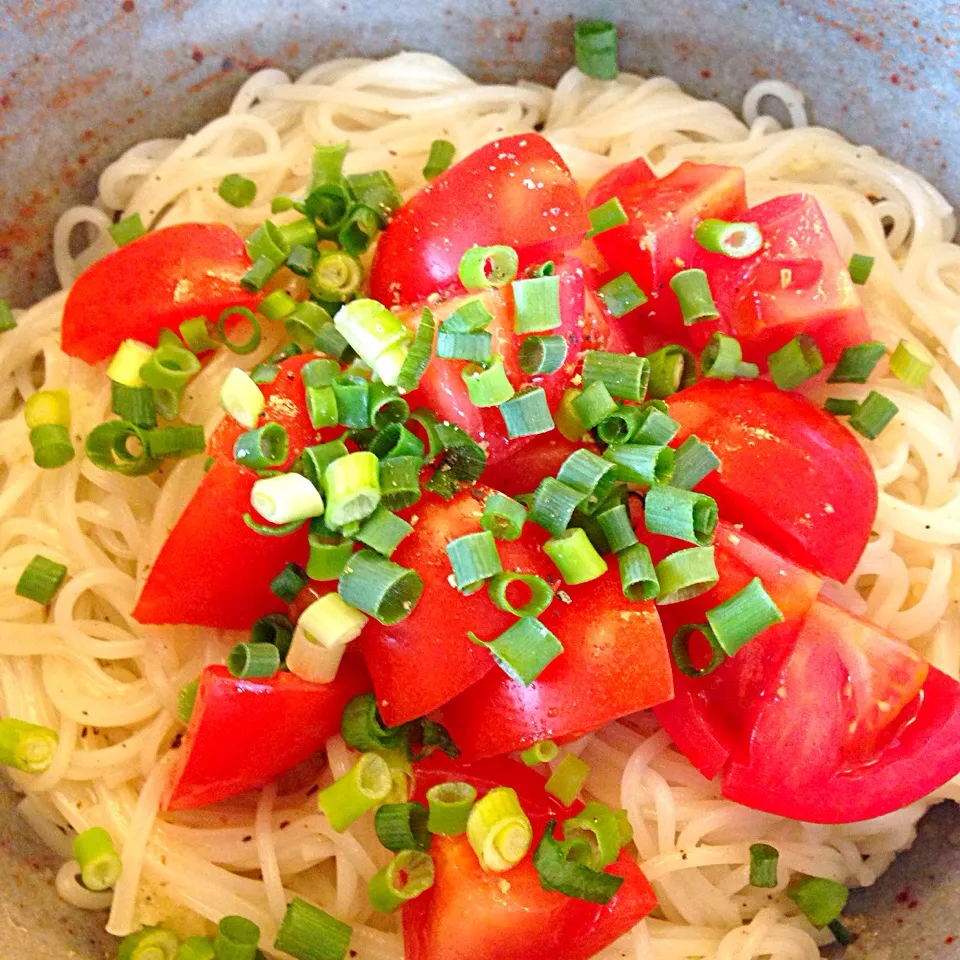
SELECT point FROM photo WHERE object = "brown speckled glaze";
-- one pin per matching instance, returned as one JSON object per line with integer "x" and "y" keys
{"x": 81, "y": 80}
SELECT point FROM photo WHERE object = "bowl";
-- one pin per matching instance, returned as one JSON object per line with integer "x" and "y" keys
{"x": 82, "y": 80}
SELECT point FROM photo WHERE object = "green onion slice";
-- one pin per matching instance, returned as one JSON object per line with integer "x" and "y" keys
{"x": 686, "y": 574}
{"x": 248, "y": 660}
{"x": 362, "y": 788}
{"x": 383, "y": 531}
{"x": 553, "y": 505}
{"x": 542, "y": 355}
{"x": 591, "y": 407}
{"x": 402, "y": 826}
{"x": 721, "y": 357}
{"x": 241, "y": 347}
{"x": 363, "y": 729}
{"x": 186, "y": 700}
{"x": 485, "y": 267}
{"x": 840, "y": 407}
{"x": 527, "y": 414}
{"x": 623, "y": 375}
{"x": 465, "y": 458}
{"x": 561, "y": 872}
{"x": 267, "y": 446}
{"x": 681, "y": 514}
{"x": 440, "y": 158}
{"x": 856, "y": 363}
{"x": 52, "y": 446}
{"x": 127, "y": 230}
{"x": 672, "y": 368}
{"x": 616, "y": 526}
{"x": 692, "y": 290}
{"x": 27, "y": 746}
{"x": 736, "y": 240}
{"x": 540, "y": 594}
{"x": 418, "y": 357}
{"x": 680, "y": 647}
{"x": 795, "y": 362}
{"x": 642, "y": 464}
{"x": 488, "y": 386}
{"x": 820, "y": 900}
{"x": 308, "y": 933}
{"x": 654, "y": 427}
{"x": 499, "y": 831}
{"x": 621, "y": 295}
{"x": 377, "y": 191}
{"x": 450, "y": 804}
{"x": 474, "y": 560}
{"x": 476, "y": 347}
{"x": 472, "y": 317}
{"x": 692, "y": 461}
{"x": 150, "y": 943}
{"x": 336, "y": 277}
{"x": 591, "y": 475}
{"x": 289, "y": 582}
{"x": 503, "y": 516}
{"x": 379, "y": 587}
{"x": 638, "y": 576}
{"x": 524, "y": 650}
{"x": 542, "y": 752}
{"x": 567, "y": 779}
{"x": 536, "y": 304}
{"x": 567, "y": 419}
{"x": 41, "y": 579}
{"x": 595, "y": 49}
{"x": 7, "y": 320}
{"x": 196, "y": 948}
{"x": 745, "y": 615}
{"x": 305, "y": 325}
{"x": 860, "y": 268}
{"x": 597, "y": 826}
{"x": 607, "y": 216}
{"x": 911, "y": 362}
{"x": 873, "y": 414}
{"x": 620, "y": 426}
{"x": 274, "y": 628}
{"x": 763, "y": 865}
{"x": 575, "y": 557}
{"x": 407, "y": 876}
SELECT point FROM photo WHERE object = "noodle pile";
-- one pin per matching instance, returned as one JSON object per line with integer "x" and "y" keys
{"x": 109, "y": 685}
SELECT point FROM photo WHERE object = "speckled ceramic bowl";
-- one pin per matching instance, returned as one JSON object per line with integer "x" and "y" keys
{"x": 81, "y": 80}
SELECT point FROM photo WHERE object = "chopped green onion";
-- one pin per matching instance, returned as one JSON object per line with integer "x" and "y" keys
{"x": 237, "y": 939}
{"x": 135, "y": 404}
{"x": 361, "y": 789}
{"x": 359, "y": 230}
{"x": 686, "y": 574}
{"x": 536, "y": 304}
{"x": 400, "y": 482}
{"x": 623, "y": 375}
{"x": 553, "y": 505}
{"x": 621, "y": 295}
{"x": 48, "y": 408}
{"x": 450, "y": 805}
{"x": 237, "y": 190}
{"x": 487, "y": 386}
{"x": 840, "y": 407}
{"x": 503, "y": 516}
{"x": 40, "y": 580}
{"x": 317, "y": 458}
{"x": 330, "y": 341}
{"x": 267, "y": 243}
{"x": 474, "y": 560}
{"x": 7, "y": 320}
{"x": 326, "y": 165}
{"x": 150, "y": 943}
{"x": 27, "y": 746}
{"x": 638, "y": 577}
{"x": 383, "y": 531}
{"x": 736, "y": 240}
{"x": 542, "y": 752}
{"x": 721, "y": 357}
{"x": 277, "y": 305}
{"x": 353, "y": 401}
{"x": 561, "y": 873}
{"x": 402, "y": 826}
{"x": 182, "y": 440}
{"x": 407, "y": 876}
{"x": 241, "y": 347}
{"x": 386, "y": 406}
{"x": 524, "y": 650}
{"x": 615, "y": 523}
{"x": 302, "y": 260}
{"x": 253, "y": 660}
{"x": 464, "y": 346}
{"x": 377, "y": 191}
{"x": 692, "y": 461}
{"x": 336, "y": 277}
{"x": 682, "y": 514}
{"x": 592, "y": 406}
{"x": 527, "y": 413}
{"x": 322, "y": 407}
{"x": 680, "y": 646}
{"x": 590, "y": 474}
{"x": 127, "y": 363}
{"x": 289, "y": 582}
{"x": 306, "y": 322}
{"x": 241, "y": 398}
{"x": 485, "y": 267}
{"x": 380, "y": 587}
{"x": 363, "y": 729}
{"x": 748, "y": 371}
{"x": 52, "y": 446}
{"x": 911, "y": 362}
{"x": 328, "y": 205}
{"x": 692, "y": 290}
{"x": 596, "y": 825}
{"x": 607, "y": 216}
{"x": 641, "y": 463}
{"x": 655, "y": 428}
{"x": 127, "y": 230}
{"x": 308, "y": 933}
{"x": 499, "y": 831}
{"x": 763, "y": 865}
{"x": 745, "y": 615}
{"x": 620, "y": 426}
{"x": 462, "y": 454}
{"x": 567, "y": 779}
{"x": 672, "y": 368}
{"x": 540, "y": 593}
{"x": 542, "y": 355}
{"x": 107, "y": 448}
{"x": 300, "y": 233}
{"x": 820, "y": 900}
{"x": 259, "y": 274}
{"x": 567, "y": 418}
{"x": 873, "y": 414}
{"x": 595, "y": 48}
{"x": 418, "y": 357}
{"x": 274, "y": 628}
{"x": 286, "y": 498}
{"x": 186, "y": 700}
{"x": 575, "y": 557}
{"x": 328, "y": 557}
{"x": 196, "y": 948}
{"x": 169, "y": 367}
{"x": 352, "y": 486}
{"x": 371, "y": 329}
{"x": 857, "y": 362}
{"x": 841, "y": 933}
{"x": 472, "y": 317}
{"x": 795, "y": 362}
{"x": 860, "y": 268}
{"x": 395, "y": 440}
{"x": 440, "y": 158}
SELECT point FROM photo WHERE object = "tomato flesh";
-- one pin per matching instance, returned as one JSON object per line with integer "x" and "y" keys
{"x": 159, "y": 280}
{"x": 542, "y": 457}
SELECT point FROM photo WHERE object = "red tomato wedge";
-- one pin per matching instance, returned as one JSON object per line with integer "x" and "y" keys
{"x": 797, "y": 283}
{"x": 620, "y": 182}
{"x": 855, "y": 725}
{"x": 159, "y": 280}
{"x": 212, "y": 569}
{"x": 615, "y": 662}
{"x": 657, "y": 241}
{"x": 471, "y": 915}
{"x": 286, "y": 404}
{"x": 542, "y": 457}
{"x": 244, "y": 733}
{"x": 789, "y": 472}
{"x": 705, "y": 717}
{"x": 515, "y": 191}
{"x": 442, "y": 389}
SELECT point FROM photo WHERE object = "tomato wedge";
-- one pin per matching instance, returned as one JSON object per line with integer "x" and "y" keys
{"x": 614, "y": 662}
{"x": 657, "y": 241}
{"x": 542, "y": 457}
{"x": 790, "y": 473}
{"x": 442, "y": 389}
{"x": 471, "y": 915}
{"x": 286, "y": 404}
{"x": 797, "y": 283}
{"x": 855, "y": 725}
{"x": 515, "y": 191}
{"x": 244, "y": 733}
{"x": 159, "y": 280}
{"x": 212, "y": 569}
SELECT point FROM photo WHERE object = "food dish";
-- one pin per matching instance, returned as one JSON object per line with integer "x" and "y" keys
{"x": 715, "y": 115}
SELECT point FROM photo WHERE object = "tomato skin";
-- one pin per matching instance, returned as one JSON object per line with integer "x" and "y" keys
{"x": 286, "y": 404}
{"x": 515, "y": 191}
{"x": 620, "y": 182}
{"x": 658, "y": 242}
{"x": 244, "y": 733}
{"x": 212, "y": 569}
{"x": 472, "y": 915}
{"x": 159, "y": 280}
{"x": 442, "y": 389}
{"x": 820, "y": 299}
{"x": 794, "y": 764}
{"x": 789, "y": 472}
{"x": 542, "y": 457}
{"x": 615, "y": 662}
